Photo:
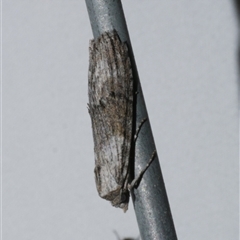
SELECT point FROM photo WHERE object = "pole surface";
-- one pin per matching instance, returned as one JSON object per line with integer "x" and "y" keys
{"x": 149, "y": 198}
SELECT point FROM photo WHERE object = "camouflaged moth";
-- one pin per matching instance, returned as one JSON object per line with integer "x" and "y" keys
{"x": 111, "y": 95}
{"x": 110, "y": 89}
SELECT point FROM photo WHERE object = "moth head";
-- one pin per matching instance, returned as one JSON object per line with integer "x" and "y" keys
{"x": 121, "y": 201}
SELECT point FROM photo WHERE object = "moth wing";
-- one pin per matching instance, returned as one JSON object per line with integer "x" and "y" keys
{"x": 111, "y": 110}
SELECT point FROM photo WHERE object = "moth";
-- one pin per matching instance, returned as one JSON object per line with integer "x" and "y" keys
{"x": 111, "y": 96}
{"x": 110, "y": 90}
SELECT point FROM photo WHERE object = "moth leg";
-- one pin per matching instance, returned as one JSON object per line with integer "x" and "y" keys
{"x": 136, "y": 181}
{"x": 138, "y": 129}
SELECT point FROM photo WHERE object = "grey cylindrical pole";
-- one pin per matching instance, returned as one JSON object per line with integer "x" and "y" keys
{"x": 150, "y": 198}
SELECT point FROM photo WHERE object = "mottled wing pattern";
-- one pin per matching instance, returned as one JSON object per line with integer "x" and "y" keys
{"x": 111, "y": 111}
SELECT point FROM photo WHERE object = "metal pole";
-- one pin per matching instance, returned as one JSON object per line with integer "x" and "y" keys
{"x": 150, "y": 198}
